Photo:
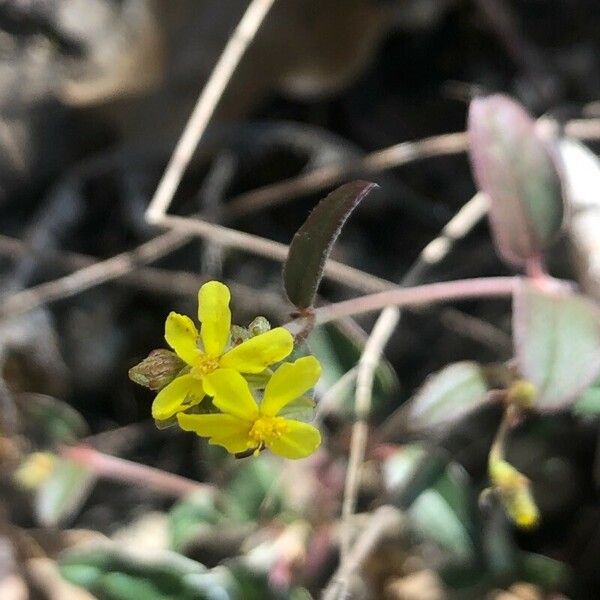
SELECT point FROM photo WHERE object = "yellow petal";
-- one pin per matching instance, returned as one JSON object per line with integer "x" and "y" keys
{"x": 257, "y": 353}
{"x": 222, "y": 430}
{"x": 300, "y": 440}
{"x": 214, "y": 316}
{"x": 181, "y": 334}
{"x": 231, "y": 394}
{"x": 289, "y": 382}
{"x": 184, "y": 391}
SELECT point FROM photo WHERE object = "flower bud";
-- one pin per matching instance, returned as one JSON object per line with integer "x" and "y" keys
{"x": 514, "y": 490}
{"x": 522, "y": 394}
{"x": 259, "y": 325}
{"x": 157, "y": 370}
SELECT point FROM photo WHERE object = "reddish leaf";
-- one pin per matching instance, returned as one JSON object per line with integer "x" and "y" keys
{"x": 312, "y": 243}
{"x": 516, "y": 169}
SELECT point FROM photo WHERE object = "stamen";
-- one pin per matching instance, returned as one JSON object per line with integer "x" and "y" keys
{"x": 266, "y": 429}
{"x": 205, "y": 365}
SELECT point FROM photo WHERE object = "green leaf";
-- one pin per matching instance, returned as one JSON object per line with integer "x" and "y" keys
{"x": 112, "y": 573}
{"x": 542, "y": 571}
{"x": 63, "y": 493}
{"x": 53, "y": 419}
{"x": 300, "y": 409}
{"x": 447, "y": 396}
{"x": 516, "y": 169}
{"x": 312, "y": 243}
{"x": 444, "y": 515}
{"x": 589, "y": 403}
{"x": 190, "y": 516}
{"x": 253, "y": 483}
{"x": 557, "y": 343}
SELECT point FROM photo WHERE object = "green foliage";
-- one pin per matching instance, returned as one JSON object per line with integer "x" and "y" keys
{"x": 113, "y": 574}
{"x": 557, "y": 343}
{"x": 191, "y": 516}
{"x": 447, "y": 396}
{"x": 63, "y": 493}
{"x": 515, "y": 168}
{"x": 443, "y": 514}
{"x": 439, "y": 501}
{"x": 313, "y": 242}
{"x": 253, "y": 491}
{"x": 588, "y": 404}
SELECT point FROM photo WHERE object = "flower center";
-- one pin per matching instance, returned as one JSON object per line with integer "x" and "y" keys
{"x": 205, "y": 365}
{"x": 266, "y": 429}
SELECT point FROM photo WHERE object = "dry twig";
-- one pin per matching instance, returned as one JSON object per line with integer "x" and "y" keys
{"x": 126, "y": 471}
{"x": 385, "y": 521}
{"x": 205, "y": 107}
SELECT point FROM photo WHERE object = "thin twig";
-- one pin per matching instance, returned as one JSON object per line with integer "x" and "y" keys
{"x": 95, "y": 274}
{"x": 367, "y": 365}
{"x": 583, "y": 129}
{"x": 151, "y": 279}
{"x": 276, "y": 251}
{"x": 119, "y": 469}
{"x": 205, "y": 107}
{"x": 476, "y": 329}
{"x": 375, "y": 162}
{"x": 122, "y": 264}
{"x": 385, "y": 521}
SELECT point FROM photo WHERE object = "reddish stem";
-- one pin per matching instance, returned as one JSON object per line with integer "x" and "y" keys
{"x": 119, "y": 469}
{"x": 446, "y": 291}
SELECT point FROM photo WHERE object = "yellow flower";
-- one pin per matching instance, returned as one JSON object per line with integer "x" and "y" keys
{"x": 246, "y": 425}
{"x": 207, "y": 352}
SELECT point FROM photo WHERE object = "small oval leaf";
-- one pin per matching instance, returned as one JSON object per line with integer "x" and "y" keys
{"x": 447, "y": 396}
{"x": 514, "y": 166}
{"x": 63, "y": 493}
{"x": 312, "y": 243}
{"x": 557, "y": 343}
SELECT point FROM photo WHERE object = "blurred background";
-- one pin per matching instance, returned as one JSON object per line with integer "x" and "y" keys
{"x": 93, "y": 97}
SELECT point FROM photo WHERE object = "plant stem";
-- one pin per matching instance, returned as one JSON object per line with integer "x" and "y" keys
{"x": 119, "y": 469}
{"x": 462, "y": 289}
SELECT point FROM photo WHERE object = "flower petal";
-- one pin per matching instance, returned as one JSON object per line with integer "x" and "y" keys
{"x": 231, "y": 394}
{"x": 289, "y": 382}
{"x": 257, "y": 353}
{"x": 184, "y": 391}
{"x": 181, "y": 334}
{"x": 222, "y": 430}
{"x": 214, "y": 316}
{"x": 299, "y": 441}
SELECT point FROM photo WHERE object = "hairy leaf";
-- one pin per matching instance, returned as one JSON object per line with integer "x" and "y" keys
{"x": 515, "y": 167}
{"x": 557, "y": 343}
{"x": 312, "y": 243}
